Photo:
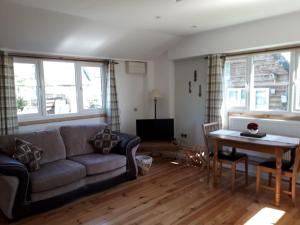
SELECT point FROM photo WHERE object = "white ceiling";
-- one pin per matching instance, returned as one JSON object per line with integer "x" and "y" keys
{"x": 177, "y": 17}
{"x": 121, "y": 28}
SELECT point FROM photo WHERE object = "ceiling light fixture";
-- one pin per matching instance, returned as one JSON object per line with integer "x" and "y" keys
{"x": 194, "y": 26}
{"x": 158, "y": 17}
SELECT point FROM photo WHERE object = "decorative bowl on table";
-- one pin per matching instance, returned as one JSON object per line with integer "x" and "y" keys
{"x": 253, "y": 131}
{"x": 252, "y": 128}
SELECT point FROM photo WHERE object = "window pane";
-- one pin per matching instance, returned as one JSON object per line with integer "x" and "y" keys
{"x": 26, "y": 88}
{"x": 262, "y": 98}
{"x": 297, "y": 84}
{"x": 91, "y": 87}
{"x": 235, "y": 82}
{"x": 60, "y": 88}
{"x": 271, "y": 81}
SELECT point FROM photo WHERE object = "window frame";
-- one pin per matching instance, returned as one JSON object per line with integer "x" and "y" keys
{"x": 41, "y": 97}
{"x": 31, "y": 116}
{"x": 240, "y": 108}
{"x": 296, "y": 81}
{"x": 80, "y": 91}
{"x": 291, "y": 104}
{"x": 239, "y": 94}
{"x": 45, "y": 115}
{"x": 254, "y": 102}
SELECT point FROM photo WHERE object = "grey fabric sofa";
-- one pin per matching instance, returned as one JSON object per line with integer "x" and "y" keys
{"x": 69, "y": 168}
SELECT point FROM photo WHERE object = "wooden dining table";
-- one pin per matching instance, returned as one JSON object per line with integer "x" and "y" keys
{"x": 272, "y": 144}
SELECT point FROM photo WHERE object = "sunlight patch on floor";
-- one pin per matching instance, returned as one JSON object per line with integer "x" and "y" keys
{"x": 266, "y": 216}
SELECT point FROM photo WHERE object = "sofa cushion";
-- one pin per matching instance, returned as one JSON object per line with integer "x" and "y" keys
{"x": 28, "y": 154}
{"x": 99, "y": 163}
{"x": 56, "y": 174}
{"x": 104, "y": 140}
{"x": 76, "y": 138}
{"x": 49, "y": 141}
{"x": 43, "y": 195}
{"x": 104, "y": 176}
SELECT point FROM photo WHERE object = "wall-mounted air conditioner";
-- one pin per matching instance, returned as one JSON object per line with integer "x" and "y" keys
{"x": 136, "y": 68}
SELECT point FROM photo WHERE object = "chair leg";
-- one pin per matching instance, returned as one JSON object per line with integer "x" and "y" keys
{"x": 270, "y": 180}
{"x": 294, "y": 191}
{"x": 233, "y": 174}
{"x": 257, "y": 181}
{"x": 290, "y": 184}
{"x": 208, "y": 170}
{"x": 246, "y": 171}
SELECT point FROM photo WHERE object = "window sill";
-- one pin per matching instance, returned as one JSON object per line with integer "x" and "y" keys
{"x": 60, "y": 119}
{"x": 267, "y": 115}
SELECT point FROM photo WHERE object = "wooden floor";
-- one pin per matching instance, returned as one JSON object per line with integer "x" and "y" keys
{"x": 169, "y": 194}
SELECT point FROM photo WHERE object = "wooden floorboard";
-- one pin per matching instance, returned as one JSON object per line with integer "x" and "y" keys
{"x": 169, "y": 194}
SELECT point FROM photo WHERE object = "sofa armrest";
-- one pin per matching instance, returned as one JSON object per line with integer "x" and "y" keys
{"x": 128, "y": 147}
{"x": 15, "y": 175}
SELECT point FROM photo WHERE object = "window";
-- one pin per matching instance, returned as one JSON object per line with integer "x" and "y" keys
{"x": 271, "y": 80}
{"x": 47, "y": 88}
{"x": 60, "y": 87}
{"x": 261, "y": 101}
{"x": 260, "y": 82}
{"x": 91, "y": 87}
{"x": 236, "y": 97}
{"x": 26, "y": 87}
{"x": 236, "y": 71}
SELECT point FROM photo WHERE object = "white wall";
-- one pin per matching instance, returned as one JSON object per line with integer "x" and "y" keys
{"x": 164, "y": 82}
{"x": 133, "y": 96}
{"x": 270, "y": 126}
{"x": 190, "y": 108}
{"x": 276, "y": 31}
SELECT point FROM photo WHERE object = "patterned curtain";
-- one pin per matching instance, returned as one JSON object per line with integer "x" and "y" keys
{"x": 8, "y": 109}
{"x": 111, "y": 99}
{"x": 215, "y": 88}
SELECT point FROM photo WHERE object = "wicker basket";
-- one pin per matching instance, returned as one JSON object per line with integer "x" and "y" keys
{"x": 144, "y": 163}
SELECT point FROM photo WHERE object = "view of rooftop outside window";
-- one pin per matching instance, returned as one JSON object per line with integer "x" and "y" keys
{"x": 235, "y": 73}
{"x": 91, "y": 87}
{"x": 271, "y": 81}
{"x": 60, "y": 87}
{"x": 268, "y": 75}
{"x": 26, "y": 88}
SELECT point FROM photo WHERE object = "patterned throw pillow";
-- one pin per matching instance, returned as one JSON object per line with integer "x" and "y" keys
{"x": 28, "y": 154}
{"x": 104, "y": 141}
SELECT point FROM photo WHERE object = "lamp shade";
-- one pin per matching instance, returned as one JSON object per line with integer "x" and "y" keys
{"x": 155, "y": 93}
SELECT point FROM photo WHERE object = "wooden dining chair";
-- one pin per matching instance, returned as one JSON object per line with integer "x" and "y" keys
{"x": 232, "y": 158}
{"x": 289, "y": 169}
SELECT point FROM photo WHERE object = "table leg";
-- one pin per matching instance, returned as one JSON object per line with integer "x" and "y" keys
{"x": 278, "y": 154}
{"x": 215, "y": 163}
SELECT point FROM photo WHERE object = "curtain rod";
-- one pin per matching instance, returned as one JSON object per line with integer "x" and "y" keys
{"x": 256, "y": 51}
{"x": 59, "y": 57}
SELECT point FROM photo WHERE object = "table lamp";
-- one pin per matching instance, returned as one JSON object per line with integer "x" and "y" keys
{"x": 155, "y": 94}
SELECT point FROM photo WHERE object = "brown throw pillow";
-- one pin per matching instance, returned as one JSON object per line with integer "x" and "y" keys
{"x": 28, "y": 154}
{"x": 104, "y": 141}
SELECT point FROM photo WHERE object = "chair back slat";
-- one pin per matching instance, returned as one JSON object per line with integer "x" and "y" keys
{"x": 287, "y": 156}
{"x": 207, "y": 128}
